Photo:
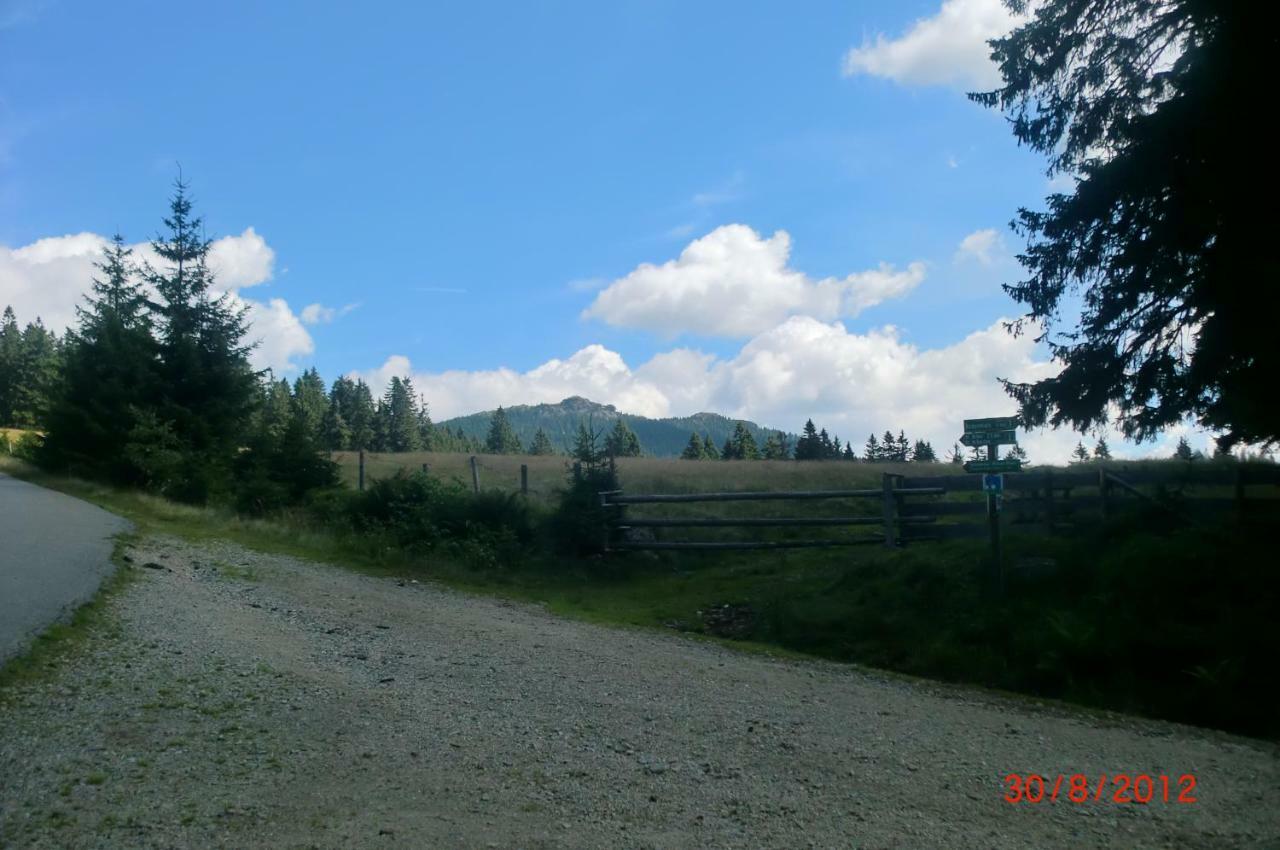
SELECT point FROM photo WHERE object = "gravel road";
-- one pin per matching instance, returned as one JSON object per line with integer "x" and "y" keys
{"x": 55, "y": 550}
{"x": 236, "y": 699}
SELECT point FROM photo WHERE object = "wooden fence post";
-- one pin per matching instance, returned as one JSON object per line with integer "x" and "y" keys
{"x": 888, "y": 506}
{"x": 524, "y": 479}
{"x": 1048, "y": 500}
{"x": 426, "y": 469}
{"x": 360, "y": 485}
{"x": 475, "y": 474}
{"x": 1104, "y": 492}
{"x": 1240, "y": 492}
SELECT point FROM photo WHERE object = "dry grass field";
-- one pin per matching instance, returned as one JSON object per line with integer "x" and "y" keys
{"x": 638, "y": 475}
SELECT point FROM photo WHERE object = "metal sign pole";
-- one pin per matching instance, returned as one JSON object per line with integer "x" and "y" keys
{"x": 993, "y": 520}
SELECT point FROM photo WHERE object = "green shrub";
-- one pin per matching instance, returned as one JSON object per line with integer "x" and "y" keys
{"x": 420, "y": 513}
{"x": 28, "y": 446}
{"x": 579, "y": 525}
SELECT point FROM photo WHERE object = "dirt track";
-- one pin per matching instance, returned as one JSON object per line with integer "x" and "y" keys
{"x": 247, "y": 700}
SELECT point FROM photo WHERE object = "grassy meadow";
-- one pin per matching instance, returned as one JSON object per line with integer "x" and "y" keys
{"x": 638, "y": 474}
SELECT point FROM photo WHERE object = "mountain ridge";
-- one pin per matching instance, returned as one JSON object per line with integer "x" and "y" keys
{"x": 663, "y": 437}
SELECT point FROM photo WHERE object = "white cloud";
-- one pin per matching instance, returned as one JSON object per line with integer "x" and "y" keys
{"x": 851, "y": 384}
{"x": 279, "y": 334}
{"x": 318, "y": 314}
{"x": 594, "y": 372}
{"x": 732, "y": 282}
{"x": 949, "y": 48}
{"x": 49, "y": 277}
{"x": 982, "y": 246}
{"x": 241, "y": 261}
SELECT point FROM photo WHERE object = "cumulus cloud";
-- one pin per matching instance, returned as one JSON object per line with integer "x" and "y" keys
{"x": 279, "y": 335}
{"x": 594, "y": 372}
{"x": 732, "y": 282}
{"x": 241, "y": 261}
{"x": 49, "y": 277}
{"x": 981, "y": 246}
{"x": 853, "y": 384}
{"x": 950, "y": 48}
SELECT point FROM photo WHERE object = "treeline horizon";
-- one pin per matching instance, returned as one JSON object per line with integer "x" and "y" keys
{"x": 347, "y": 416}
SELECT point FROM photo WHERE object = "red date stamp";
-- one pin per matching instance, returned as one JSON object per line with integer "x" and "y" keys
{"x": 1124, "y": 788}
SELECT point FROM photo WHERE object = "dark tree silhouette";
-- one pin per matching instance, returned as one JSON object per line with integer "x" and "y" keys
{"x": 1141, "y": 103}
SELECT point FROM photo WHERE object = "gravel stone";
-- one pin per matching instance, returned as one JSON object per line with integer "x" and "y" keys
{"x": 239, "y": 699}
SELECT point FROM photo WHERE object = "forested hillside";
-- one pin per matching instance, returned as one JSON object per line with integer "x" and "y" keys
{"x": 658, "y": 437}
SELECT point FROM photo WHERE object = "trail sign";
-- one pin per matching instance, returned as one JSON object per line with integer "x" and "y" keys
{"x": 989, "y": 438}
{"x": 993, "y": 483}
{"x": 993, "y": 423}
{"x": 1008, "y": 464}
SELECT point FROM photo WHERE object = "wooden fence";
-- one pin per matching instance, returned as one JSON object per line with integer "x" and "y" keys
{"x": 906, "y": 509}
{"x": 890, "y": 497}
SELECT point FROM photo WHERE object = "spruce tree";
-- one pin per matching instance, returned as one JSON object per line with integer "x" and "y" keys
{"x": 1080, "y": 454}
{"x": 871, "y": 452}
{"x": 622, "y": 441}
{"x": 541, "y": 444}
{"x": 1101, "y": 451}
{"x": 275, "y": 410}
{"x": 39, "y": 371}
{"x": 692, "y": 451}
{"x": 774, "y": 447}
{"x": 1183, "y": 451}
{"x": 10, "y": 358}
{"x": 956, "y": 457}
{"x": 923, "y": 452}
{"x": 744, "y": 444}
{"x": 360, "y": 416}
{"x": 400, "y": 417}
{"x": 310, "y": 402}
{"x": 206, "y": 387}
{"x": 108, "y": 375}
{"x": 586, "y": 446}
{"x": 726, "y": 451}
{"x": 809, "y": 446}
{"x": 502, "y": 439}
{"x": 709, "y": 450}
{"x": 426, "y": 429}
{"x": 1141, "y": 275}
{"x": 1018, "y": 453}
{"x": 902, "y": 451}
{"x": 848, "y": 452}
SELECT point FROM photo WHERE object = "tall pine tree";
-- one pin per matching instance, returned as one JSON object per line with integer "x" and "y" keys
{"x": 206, "y": 386}
{"x": 109, "y": 375}
{"x": 502, "y": 439}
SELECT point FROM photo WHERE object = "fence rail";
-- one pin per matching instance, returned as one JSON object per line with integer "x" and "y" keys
{"x": 911, "y": 506}
{"x": 891, "y": 496}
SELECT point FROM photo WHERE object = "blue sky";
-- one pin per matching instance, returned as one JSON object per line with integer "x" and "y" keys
{"x": 479, "y": 185}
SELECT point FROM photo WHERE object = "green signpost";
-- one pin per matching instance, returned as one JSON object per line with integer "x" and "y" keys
{"x": 993, "y": 432}
{"x": 993, "y": 423}
{"x": 987, "y": 438}
{"x": 1006, "y": 464}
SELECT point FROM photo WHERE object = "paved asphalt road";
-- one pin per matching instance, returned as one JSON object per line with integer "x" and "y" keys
{"x": 54, "y": 553}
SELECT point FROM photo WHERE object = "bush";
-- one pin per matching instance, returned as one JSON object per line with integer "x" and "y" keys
{"x": 28, "y": 446}
{"x": 420, "y": 513}
{"x": 274, "y": 473}
{"x": 580, "y": 525}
